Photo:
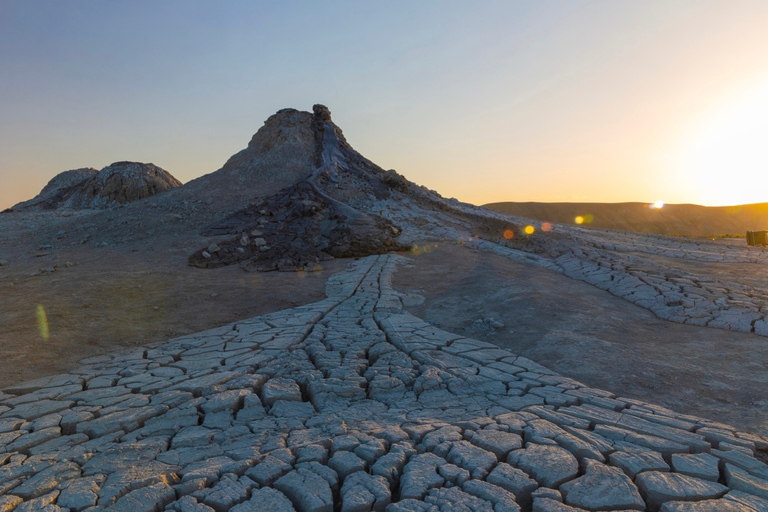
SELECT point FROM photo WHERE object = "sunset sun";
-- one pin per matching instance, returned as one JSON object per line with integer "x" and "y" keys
{"x": 726, "y": 161}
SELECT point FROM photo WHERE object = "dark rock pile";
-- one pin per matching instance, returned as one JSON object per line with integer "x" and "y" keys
{"x": 296, "y": 229}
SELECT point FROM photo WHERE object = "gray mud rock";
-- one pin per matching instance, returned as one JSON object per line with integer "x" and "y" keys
{"x": 116, "y": 184}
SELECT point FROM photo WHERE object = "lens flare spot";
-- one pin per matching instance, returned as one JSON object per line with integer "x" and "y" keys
{"x": 579, "y": 219}
{"x": 426, "y": 248}
{"x": 546, "y": 227}
{"x": 508, "y": 234}
{"x": 529, "y": 230}
{"x": 302, "y": 273}
{"x": 42, "y": 322}
{"x": 588, "y": 218}
{"x": 658, "y": 205}
{"x": 415, "y": 251}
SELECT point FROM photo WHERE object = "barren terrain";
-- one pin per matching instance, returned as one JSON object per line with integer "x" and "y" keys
{"x": 590, "y": 335}
{"x": 98, "y": 300}
{"x": 101, "y": 299}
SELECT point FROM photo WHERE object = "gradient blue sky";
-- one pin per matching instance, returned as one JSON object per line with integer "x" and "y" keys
{"x": 617, "y": 100}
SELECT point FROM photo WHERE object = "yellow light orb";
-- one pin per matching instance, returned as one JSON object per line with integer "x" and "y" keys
{"x": 529, "y": 230}
{"x": 579, "y": 219}
{"x": 42, "y": 322}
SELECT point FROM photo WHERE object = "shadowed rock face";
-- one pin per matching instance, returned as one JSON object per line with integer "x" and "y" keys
{"x": 295, "y": 229}
{"x": 119, "y": 183}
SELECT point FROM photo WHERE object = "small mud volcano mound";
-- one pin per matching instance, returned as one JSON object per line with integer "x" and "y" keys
{"x": 296, "y": 229}
{"x": 119, "y": 183}
{"x": 59, "y": 184}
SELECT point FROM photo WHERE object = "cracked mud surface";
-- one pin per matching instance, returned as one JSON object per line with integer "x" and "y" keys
{"x": 352, "y": 404}
{"x": 590, "y": 335}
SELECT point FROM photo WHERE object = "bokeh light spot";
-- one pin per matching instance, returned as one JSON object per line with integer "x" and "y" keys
{"x": 508, "y": 234}
{"x": 42, "y": 322}
{"x": 588, "y": 218}
{"x": 529, "y": 230}
{"x": 546, "y": 227}
{"x": 579, "y": 219}
{"x": 416, "y": 251}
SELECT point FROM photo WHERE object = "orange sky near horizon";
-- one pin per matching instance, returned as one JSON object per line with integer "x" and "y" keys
{"x": 548, "y": 101}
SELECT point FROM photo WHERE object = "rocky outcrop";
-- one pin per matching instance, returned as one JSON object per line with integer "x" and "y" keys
{"x": 116, "y": 184}
{"x": 58, "y": 185}
{"x": 295, "y": 229}
{"x": 120, "y": 183}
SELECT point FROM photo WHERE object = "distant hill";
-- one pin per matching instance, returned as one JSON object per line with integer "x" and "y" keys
{"x": 672, "y": 219}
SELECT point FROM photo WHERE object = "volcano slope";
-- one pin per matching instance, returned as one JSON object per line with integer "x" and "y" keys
{"x": 351, "y": 403}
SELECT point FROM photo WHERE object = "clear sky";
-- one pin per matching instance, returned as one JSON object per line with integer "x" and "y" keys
{"x": 607, "y": 101}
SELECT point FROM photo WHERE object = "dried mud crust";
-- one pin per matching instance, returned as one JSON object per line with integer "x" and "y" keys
{"x": 588, "y": 334}
{"x": 352, "y": 404}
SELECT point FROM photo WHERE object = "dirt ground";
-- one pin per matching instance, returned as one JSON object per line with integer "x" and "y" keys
{"x": 97, "y": 300}
{"x": 590, "y": 335}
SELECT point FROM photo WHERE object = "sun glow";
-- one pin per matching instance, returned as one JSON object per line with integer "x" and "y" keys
{"x": 726, "y": 160}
